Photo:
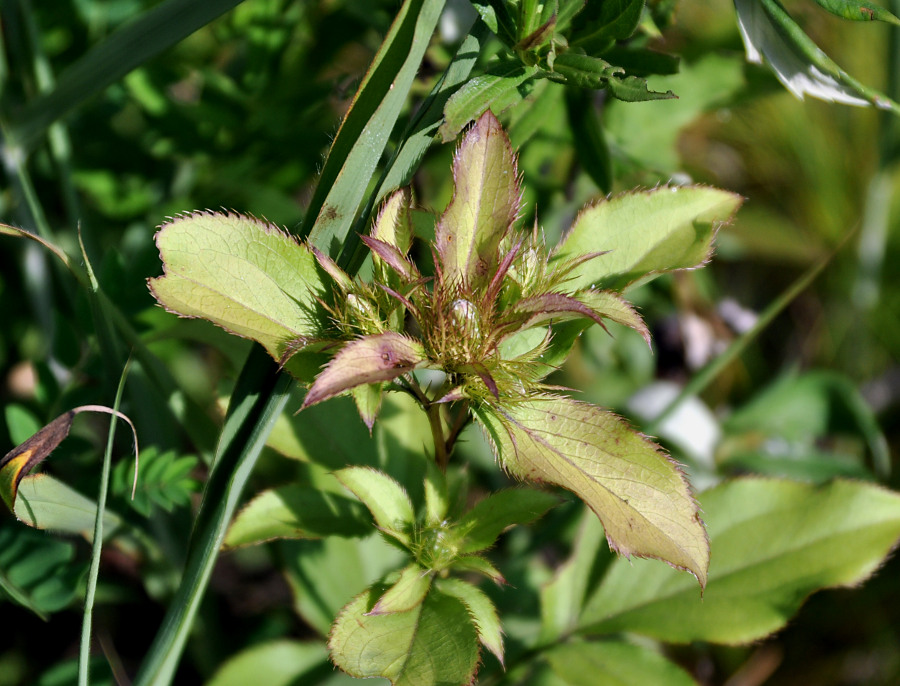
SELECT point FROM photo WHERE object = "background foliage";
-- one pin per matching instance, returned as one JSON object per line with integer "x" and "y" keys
{"x": 239, "y": 114}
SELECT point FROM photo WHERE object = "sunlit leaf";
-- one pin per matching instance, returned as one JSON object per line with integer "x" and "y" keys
{"x": 365, "y": 361}
{"x": 638, "y": 493}
{"x": 480, "y": 609}
{"x": 775, "y": 543}
{"x": 274, "y": 663}
{"x": 406, "y": 593}
{"x": 247, "y": 276}
{"x": 412, "y": 648}
{"x": 646, "y": 233}
{"x": 479, "y": 528}
{"x": 613, "y": 663}
{"x": 386, "y": 499}
{"x": 486, "y": 201}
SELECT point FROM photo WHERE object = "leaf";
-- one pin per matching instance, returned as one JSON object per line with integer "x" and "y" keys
{"x": 858, "y": 10}
{"x": 486, "y": 201}
{"x": 37, "y": 571}
{"x": 245, "y": 275}
{"x": 368, "y": 402}
{"x": 406, "y": 594}
{"x": 634, "y": 89}
{"x": 481, "y": 611}
{"x": 584, "y": 71}
{"x": 393, "y": 224}
{"x": 364, "y": 132}
{"x": 769, "y": 32}
{"x": 480, "y": 527}
{"x": 495, "y": 14}
{"x": 387, "y": 501}
{"x": 646, "y": 233}
{"x": 412, "y": 648}
{"x": 502, "y": 84}
{"x": 274, "y": 663}
{"x": 478, "y": 565}
{"x": 367, "y": 360}
{"x": 638, "y": 493}
{"x": 775, "y": 543}
{"x": 47, "y": 503}
{"x": 612, "y": 306}
{"x": 23, "y": 458}
{"x": 296, "y": 511}
{"x": 613, "y": 663}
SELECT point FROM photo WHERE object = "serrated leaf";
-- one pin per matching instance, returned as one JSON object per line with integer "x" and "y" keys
{"x": 367, "y": 360}
{"x": 646, "y": 233}
{"x": 481, "y": 610}
{"x": 437, "y": 496}
{"x": 610, "y": 305}
{"x": 478, "y": 565}
{"x": 638, "y": 493}
{"x": 412, "y": 648}
{"x": 502, "y": 85}
{"x": 393, "y": 224}
{"x": 584, "y": 71}
{"x": 245, "y": 275}
{"x": 775, "y": 543}
{"x": 858, "y": 10}
{"x": 613, "y": 663}
{"x": 296, "y": 511}
{"x": 368, "y": 402}
{"x": 386, "y": 499}
{"x": 635, "y": 89}
{"x": 486, "y": 201}
{"x": 479, "y": 528}
{"x": 406, "y": 593}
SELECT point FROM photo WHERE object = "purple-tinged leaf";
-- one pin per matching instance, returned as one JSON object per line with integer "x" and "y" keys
{"x": 393, "y": 225}
{"x": 367, "y": 360}
{"x": 611, "y": 305}
{"x": 393, "y": 258}
{"x": 639, "y": 494}
{"x": 486, "y": 201}
{"x": 341, "y": 278}
{"x": 539, "y": 309}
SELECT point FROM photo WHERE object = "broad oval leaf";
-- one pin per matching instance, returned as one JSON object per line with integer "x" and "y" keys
{"x": 245, "y": 275}
{"x": 365, "y": 361}
{"x": 414, "y": 648}
{"x": 775, "y": 543}
{"x": 486, "y": 201}
{"x": 646, "y": 233}
{"x": 638, "y": 493}
{"x": 613, "y": 663}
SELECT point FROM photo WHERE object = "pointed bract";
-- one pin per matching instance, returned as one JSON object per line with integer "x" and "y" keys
{"x": 486, "y": 202}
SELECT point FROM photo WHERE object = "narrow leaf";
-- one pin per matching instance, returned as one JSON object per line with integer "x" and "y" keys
{"x": 486, "y": 201}
{"x": 858, "y": 10}
{"x": 584, "y": 71}
{"x": 364, "y": 361}
{"x": 638, "y": 493}
{"x": 296, "y": 511}
{"x": 412, "y": 648}
{"x": 393, "y": 224}
{"x": 364, "y": 132}
{"x": 368, "y": 402}
{"x": 386, "y": 499}
{"x": 480, "y": 609}
{"x": 392, "y": 257}
{"x": 635, "y": 89}
{"x": 611, "y": 305}
{"x": 242, "y": 274}
{"x": 479, "y": 528}
{"x": 478, "y": 565}
{"x": 406, "y": 594}
{"x": 502, "y": 85}
{"x": 775, "y": 543}
{"x": 599, "y": 24}
{"x": 646, "y": 233}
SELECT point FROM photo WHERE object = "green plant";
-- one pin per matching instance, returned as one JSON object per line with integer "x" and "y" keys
{"x": 447, "y": 338}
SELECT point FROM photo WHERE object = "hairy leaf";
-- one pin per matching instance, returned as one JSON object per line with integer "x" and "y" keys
{"x": 412, "y": 648}
{"x": 365, "y": 361}
{"x": 775, "y": 543}
{"x": 296, "y": 511}
{"x": 646, "y": 233}
{"x": 245, "y": 275}
{"x": 479, "y": 528}
{"x": 386, "y": 499}
{"x": 406, "y": 594}
{"x": 638, "y": 493}
{"x": 480, "y": 609}
{"x": 486, "y": 202}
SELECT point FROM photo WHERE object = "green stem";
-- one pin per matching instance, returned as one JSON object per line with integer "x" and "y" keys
{"x": 84, "y": 653}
